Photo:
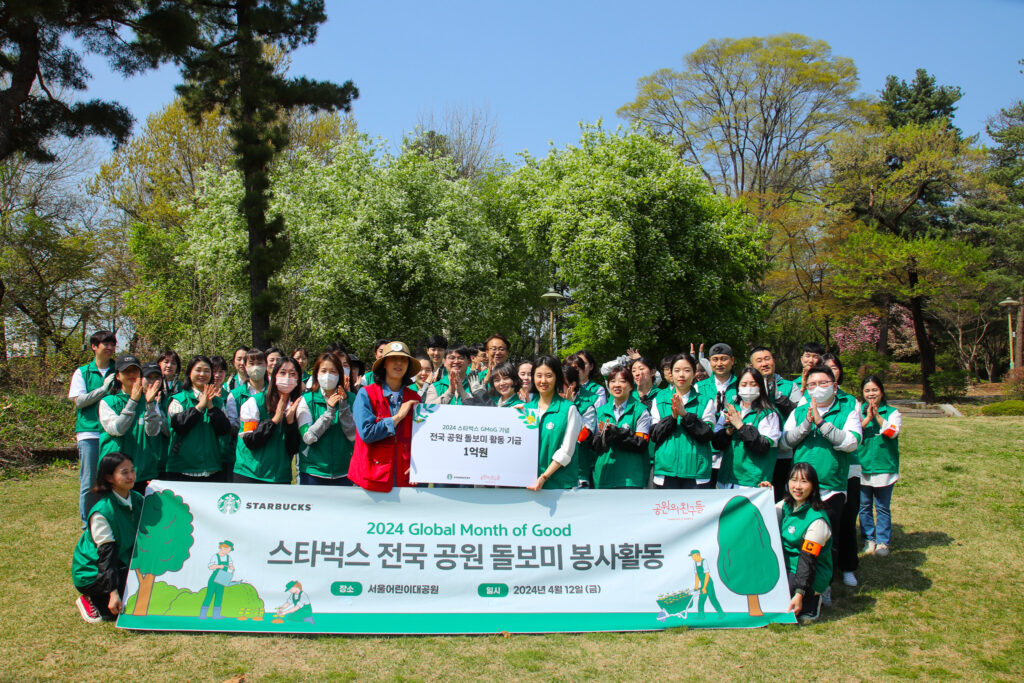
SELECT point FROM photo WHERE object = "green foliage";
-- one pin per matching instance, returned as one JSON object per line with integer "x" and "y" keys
{"x": 918, "y": 102}
{"x": 165, "y": 534}
{"x": 167, "y": 600}
{"x": 950, "y": 384}
{"x": 1003, "y": 409}
{"x": 746, "y": 562}
{"x": 648, "y": 253}
{"x": 865, "y": 361}
{"x": 905, "y": 373}
{"x": 33, "y": 421}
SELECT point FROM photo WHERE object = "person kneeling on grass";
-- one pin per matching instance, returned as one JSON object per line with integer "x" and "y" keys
{"x": 806, "y": 541}
{"x": 99, "y": 566}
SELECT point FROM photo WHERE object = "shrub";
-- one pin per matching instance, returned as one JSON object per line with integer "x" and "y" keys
{"x": 905, "y": 373}
{"x": 1014, "y": 383}
{"x": 1003, "y": 408}
{"x": 30, "y": 421}
{"x": 950, "y": 384}
{"x": 864, "y": 362}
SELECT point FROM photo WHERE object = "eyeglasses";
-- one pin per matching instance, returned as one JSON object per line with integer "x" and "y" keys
{"x": 497, "y": 348}
{"x": 824, "y": 385}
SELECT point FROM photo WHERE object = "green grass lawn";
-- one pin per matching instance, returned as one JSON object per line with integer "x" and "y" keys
{"x": 946, "y": 604}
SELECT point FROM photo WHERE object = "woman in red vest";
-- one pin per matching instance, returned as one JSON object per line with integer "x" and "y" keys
{"x": 380, "y": 459}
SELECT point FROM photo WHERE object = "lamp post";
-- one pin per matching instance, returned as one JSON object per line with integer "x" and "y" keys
{"x": 552, "y": 298}
{"x": 1010, "y": 304}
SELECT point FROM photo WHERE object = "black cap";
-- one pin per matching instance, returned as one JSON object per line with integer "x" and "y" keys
{"x": 126, "y": 361}
{"x": 151, "y": 369}
{"x": 721, "y": 349}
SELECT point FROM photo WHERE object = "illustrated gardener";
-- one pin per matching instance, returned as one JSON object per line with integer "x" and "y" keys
{"x": 296, "y": 606}
{"x": 703, "y": 584}
{"x": 223, "y": 569}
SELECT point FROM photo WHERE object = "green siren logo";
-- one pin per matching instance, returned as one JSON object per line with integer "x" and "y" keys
{"x": 422, "y": 412}
{"x": 229, "y": 503}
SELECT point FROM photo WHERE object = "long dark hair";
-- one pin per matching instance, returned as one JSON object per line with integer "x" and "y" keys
{"x": 187, "y": 384}
{"x": 877, "y": 381}
{"x": 106, "y": 468}
{"x": 555, "y": 366}
{"x": 806, "y": 469}
{"x": 315, "y": 372}
{"x": 273, "y": 395}
{"x": 761, "y": 404}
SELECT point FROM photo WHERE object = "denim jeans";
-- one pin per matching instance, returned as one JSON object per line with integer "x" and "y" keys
{"x": 881, "y": 496}
{"x": 88, "y": 459}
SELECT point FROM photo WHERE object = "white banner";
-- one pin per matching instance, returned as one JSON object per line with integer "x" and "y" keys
{"x": 473, "y": 445}
{"x": 250, "y": 558}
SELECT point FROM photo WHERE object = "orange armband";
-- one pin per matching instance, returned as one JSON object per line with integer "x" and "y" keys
{"x": 645, "y": 437}
{"x": 811, "y": 547}
{"x": 584, "y": 435}
{"x": 249, "y": 426}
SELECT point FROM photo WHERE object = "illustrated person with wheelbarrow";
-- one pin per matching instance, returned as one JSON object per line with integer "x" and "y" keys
{"x": 704, "y": 586}
{"x": 223, "y": 569}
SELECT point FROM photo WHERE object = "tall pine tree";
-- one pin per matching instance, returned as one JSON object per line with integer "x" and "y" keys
{"x": 231, "y": 70}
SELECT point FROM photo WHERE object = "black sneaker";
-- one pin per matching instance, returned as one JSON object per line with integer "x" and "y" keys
{"x": 811, "y": 610}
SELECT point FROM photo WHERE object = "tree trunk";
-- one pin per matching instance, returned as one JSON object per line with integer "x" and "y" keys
{"x": 754, "y": 606}
{"x": 145, "y": 592}
{"x": 882, "y": 345}
{"x": 3, "y": 326}
{"x": 924, "y": 342}
{"x": 1018, "y": 340}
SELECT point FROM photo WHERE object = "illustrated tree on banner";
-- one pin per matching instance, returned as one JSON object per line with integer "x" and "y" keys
{"x": 163, "y": 543}
{"x": 747, "y": 564}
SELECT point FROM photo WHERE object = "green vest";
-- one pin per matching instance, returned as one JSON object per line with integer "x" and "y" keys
{"x": 330, "y": 455}
{"x": 648, "y": 399}
{"x": 585, "y": 398}
{"x": 124, "y": 522}
{"x": 87, "y": 419}
{"x": 442, "y": 385}
{"x": 552, "y": 425}
{"x": 679, "y": 455}
{"x": 588, "y": 393}
{"x": 793, "y": 528}
{"x": 616, "y": 468}
{"x": 783, "y": 387}
{"x": 742, "y": 466}
{"x": 199, "y": 449}
{"x": 516, "y": 401}
{"x": 708, "y": 388}
{"x": 271, "y": 463}
{"x": 832, "y": 466}
{"x": 368, "y": 378}
{"x": 145, "y": 451}
{"x": 878, "y": 454}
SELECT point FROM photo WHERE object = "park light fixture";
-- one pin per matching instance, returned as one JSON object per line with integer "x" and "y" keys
{"x": 1010, "y": 304}
{"x": 552, "y": 298}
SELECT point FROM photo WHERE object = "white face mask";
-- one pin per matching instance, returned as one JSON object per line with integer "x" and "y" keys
{"x": 822, "y": 394}
{"x": 256, "y": 372}
{"x": 327, "y": 380}
{"x": 286, "y": 384}
{"x": 748, "y": 394}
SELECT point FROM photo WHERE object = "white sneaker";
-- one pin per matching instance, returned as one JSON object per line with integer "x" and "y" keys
{"x": 849, "y": 579}
{"x": 881, "y": 550}
{"x": 826, "y": 597}
{"x": 869, "y": 547}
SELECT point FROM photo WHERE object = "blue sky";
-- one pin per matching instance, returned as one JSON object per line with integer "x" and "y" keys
{"x": 542, "y": 67}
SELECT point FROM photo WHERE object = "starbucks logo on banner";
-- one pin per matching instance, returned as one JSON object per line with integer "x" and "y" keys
{"x": 229, "y": 503}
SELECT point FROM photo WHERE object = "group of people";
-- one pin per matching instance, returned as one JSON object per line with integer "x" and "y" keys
{"x": 687, "y": 422}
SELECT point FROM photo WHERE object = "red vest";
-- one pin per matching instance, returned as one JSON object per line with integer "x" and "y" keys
{"x": 374, "y": 465}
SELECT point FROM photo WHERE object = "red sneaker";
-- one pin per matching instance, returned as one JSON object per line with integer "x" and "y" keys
{"x": 88, "y": 610}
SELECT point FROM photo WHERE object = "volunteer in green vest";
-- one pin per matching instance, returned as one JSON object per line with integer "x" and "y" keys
{"x": 703, "y": 584}
{"x": 152, "y": 375}
{"x": 421, "y": 381}
{"x": 326, "y": 426}
{"x": 644, "y": 390}
{"x": 845, "y": 537}
{"x": 496, "y": 349}
{"x": 459, "y": 385}
{"x": 198, "y": 422}
{"x": 525, "y": 372}
{"x": 132, "y": 422}
{"x": 238, "y": 363}
{"x": 302, "y": 358}
{"x": 227, "y": 441}
{"x": 720, "y": 388}
{"x": 585, "y": 403}
{"x": 880, "y": 465}
{"x": 222, "y": 568}
{"x": 810, "y": 357}
{"x": 806, "y": 542}
{"x": 621, "y": 438}
{"x": 824, "y": 431}
{"x": 682, "y": 424}
{"x": 502, "y": 388}
{"x": 170, "y": 366}
{"x": 559, "y": 424}
{"x": 780, "y": 391}
{"x": 269, "y": 434}
{"x": 591, "y": 393}
{"x": 255, "y": 383}
{"x": 436, "y": 346}
{"x": 379, "y": 347}
{"x": 748, "y": 433}
{"x": 99, "y": 565}
{"x": 89, "y": 384}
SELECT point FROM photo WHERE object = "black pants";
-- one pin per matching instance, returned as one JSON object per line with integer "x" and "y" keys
{"x": 780, "y": 477}
{"x": 181, "y": 476}
{"x": 812, "y": 601}
{"x": 681, "y": 483}
{"x": 834, "y": 508}
{"x": 847, "y": 536}
{"x": 101, "y": 598}
{"x": 140, "y": 487}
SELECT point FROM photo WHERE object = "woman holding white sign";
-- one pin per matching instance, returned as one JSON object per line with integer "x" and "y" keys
{"x": 559, "y": 423}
